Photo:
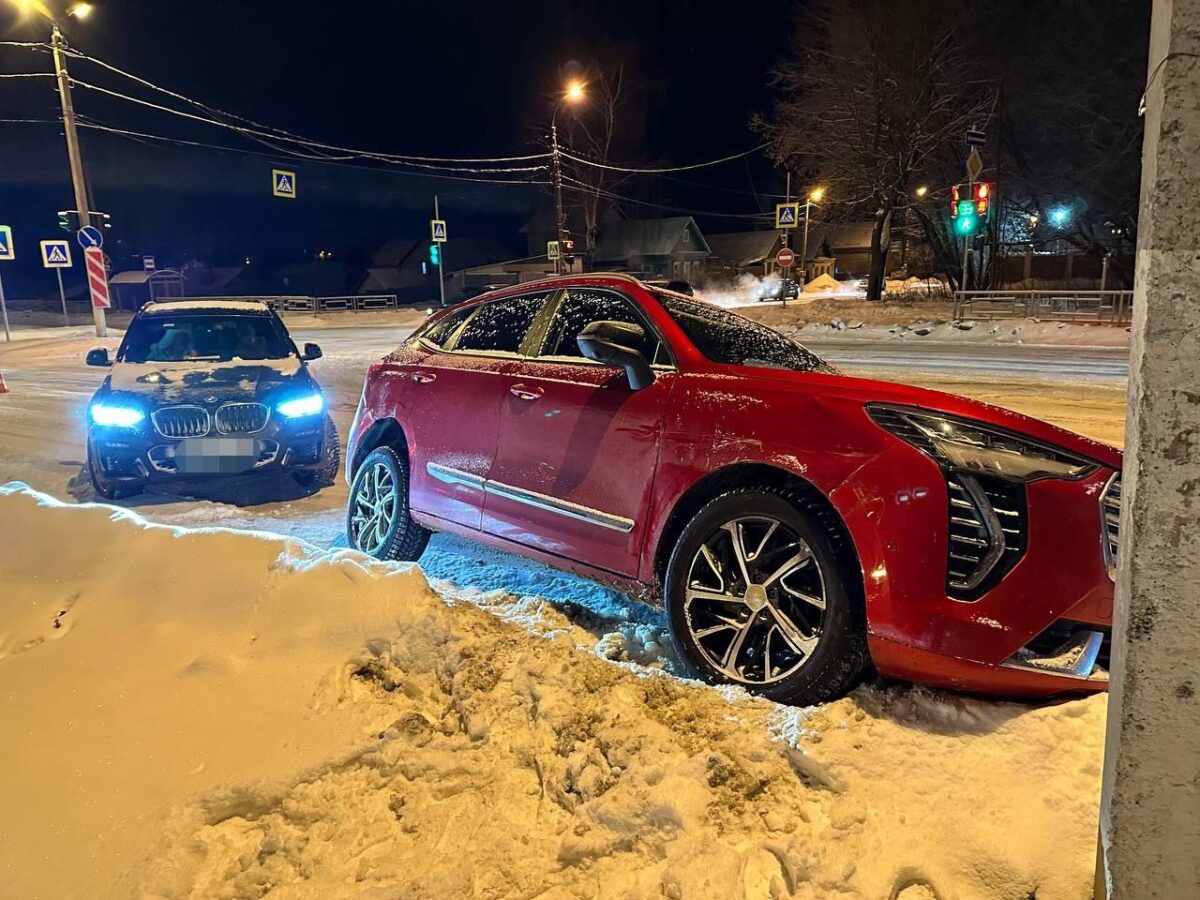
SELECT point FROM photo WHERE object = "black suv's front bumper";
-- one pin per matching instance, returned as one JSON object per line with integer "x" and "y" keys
{"x": 141, "y": 455}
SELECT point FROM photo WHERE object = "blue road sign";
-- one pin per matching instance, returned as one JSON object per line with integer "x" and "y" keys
{"x": 976, "y": 138}
{"x": 56, "y": 254}
{"x": 6, "y": 243}
{"x": 787, "y": 215}
{"x": 283, "y": 183}
{"x": 90, "y": 236}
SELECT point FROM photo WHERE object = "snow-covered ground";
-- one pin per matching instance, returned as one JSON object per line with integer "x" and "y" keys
{"x": 299, "y": 722}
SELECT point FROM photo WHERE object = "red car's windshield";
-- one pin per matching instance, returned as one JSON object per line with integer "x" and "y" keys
{"x": 727, "y": 338}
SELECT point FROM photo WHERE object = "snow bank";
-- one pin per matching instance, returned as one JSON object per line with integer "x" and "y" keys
{"x": 227, "y": 714}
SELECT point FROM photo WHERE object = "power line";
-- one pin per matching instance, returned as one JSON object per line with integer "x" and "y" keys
{"x": 580, "y": 187}
{"x": 266, "y": 131}
{"x": 141, "y": 135}
{"x": 660, "y": 170}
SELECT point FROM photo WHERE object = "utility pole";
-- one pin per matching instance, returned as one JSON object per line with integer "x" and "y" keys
{"x": 78, "y": 177}
{"x": 556, "y": 166}
{"x": 441, "y": 259}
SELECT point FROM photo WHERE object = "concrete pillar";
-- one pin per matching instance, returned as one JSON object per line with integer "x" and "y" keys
{"x": 1150, "y": 810}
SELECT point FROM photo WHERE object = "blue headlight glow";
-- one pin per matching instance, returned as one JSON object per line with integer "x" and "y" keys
{"x": 116, "y": 415}
{"x": 306, "y": 405}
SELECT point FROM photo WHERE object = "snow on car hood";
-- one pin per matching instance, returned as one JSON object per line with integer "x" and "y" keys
{"x": 175, "y": 381}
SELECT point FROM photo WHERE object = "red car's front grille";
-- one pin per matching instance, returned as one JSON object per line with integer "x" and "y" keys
{"x": 986, "y": 535}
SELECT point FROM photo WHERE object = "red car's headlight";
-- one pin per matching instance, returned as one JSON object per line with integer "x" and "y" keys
{"x": 969, "y": 446}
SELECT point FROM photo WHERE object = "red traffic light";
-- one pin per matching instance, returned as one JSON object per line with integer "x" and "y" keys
{"x": 982, "y": 195}
{"x": 980, "y": 203}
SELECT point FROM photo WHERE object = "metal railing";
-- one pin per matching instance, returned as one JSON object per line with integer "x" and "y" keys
{"x": 1101, "y": 307}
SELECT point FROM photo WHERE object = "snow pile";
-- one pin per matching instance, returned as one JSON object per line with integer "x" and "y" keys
{"x": 823, "y": 284}
{"x": 223, "y": 714}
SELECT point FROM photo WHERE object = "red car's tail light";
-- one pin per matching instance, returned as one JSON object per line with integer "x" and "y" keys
{"x": 965, "y": 445}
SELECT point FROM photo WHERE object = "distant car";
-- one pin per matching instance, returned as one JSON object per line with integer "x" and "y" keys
{"x": 802, "y": 527}
{"x": 783, "y": 289}
{"x": 674, "y": 285}
{"x": 203, "y": 388}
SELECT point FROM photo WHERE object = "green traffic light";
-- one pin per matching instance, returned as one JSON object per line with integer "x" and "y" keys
{"x": 435, "y": 254}
{"x": 966, "y": 224}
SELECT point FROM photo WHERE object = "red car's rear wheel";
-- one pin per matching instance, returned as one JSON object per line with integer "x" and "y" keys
{"x": 757, "y": 596}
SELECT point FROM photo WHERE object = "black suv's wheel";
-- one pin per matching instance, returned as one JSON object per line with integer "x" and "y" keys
{"x": 377, "y": 518}
{"x": 105, "y": 489}
{"x": 758, "y": 596}
{"x": 325, "y": 474}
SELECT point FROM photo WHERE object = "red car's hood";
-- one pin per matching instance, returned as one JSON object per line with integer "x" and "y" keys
{"x": 867, "y": 390}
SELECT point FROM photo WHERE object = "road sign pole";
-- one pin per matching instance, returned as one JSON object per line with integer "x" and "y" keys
{"x": 62, "y": 295}
{"x": 4, "y": 311}
{"x": 966, "y": 239}
{"x": 441, "y": 258}
{"x": 74, "y": 157}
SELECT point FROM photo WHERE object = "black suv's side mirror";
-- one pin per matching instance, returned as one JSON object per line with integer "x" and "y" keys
{"x": 98, "y": 357}
{"x": 311, "y": 352}
{"x": 615, "y": 344}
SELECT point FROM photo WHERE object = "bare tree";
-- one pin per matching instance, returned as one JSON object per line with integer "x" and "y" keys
{"x": 872, "y": 91}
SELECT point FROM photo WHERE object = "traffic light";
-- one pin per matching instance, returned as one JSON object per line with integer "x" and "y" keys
{"x": 435, "y": 254}
{"x": 568, "y": 251}
{"x": 969, "y": 213}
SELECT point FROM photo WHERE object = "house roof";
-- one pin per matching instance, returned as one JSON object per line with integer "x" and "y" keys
{"x": 842, "y": 237}
{"x": 647, "y": 237}
{"x": 133, "y": 276}
{"x": 743, "y": 247}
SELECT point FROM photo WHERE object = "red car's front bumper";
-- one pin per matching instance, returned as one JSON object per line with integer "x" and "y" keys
{"x": 896, "y": 508}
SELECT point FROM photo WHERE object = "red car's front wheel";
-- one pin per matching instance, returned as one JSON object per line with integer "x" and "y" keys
{"x": 757, "y": 596}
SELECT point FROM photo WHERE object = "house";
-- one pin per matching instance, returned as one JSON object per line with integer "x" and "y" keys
{"x": 741, "y": 253}
{"x": 849, "y": 243}
{"x": 402, "y": 266}
{"x": 653, "y": 248}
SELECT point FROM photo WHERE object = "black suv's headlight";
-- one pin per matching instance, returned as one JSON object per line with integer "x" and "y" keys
{"x": 965, "y": 445}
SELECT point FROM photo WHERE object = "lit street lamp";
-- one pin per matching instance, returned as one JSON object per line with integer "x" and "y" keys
{"x": 78, "y": 11}
{"x": 814, "y": 196}
{"x": 574, "y": 93}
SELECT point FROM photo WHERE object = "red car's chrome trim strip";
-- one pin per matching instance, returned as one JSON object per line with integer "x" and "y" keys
{"x": 531, "y": 498}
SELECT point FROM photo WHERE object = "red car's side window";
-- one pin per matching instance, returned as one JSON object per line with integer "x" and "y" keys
{"x": 582, "y": 306}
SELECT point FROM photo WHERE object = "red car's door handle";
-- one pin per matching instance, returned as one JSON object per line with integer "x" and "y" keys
{"x": 524, "y": 392}
{"x": 424, "y": 377}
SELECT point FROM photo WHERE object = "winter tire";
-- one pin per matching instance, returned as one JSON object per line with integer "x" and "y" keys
{"x": 377, "y": 515}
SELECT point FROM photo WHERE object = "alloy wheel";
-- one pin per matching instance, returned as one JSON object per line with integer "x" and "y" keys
{"x": 375, "y": 501}
{"x": 755, "y": 600}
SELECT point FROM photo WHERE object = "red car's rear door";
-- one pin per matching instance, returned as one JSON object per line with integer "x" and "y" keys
{"x": 578, "y": 448}
{"x": 454, "y": 402}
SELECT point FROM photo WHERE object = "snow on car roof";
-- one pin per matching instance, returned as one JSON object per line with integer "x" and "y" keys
{"x": 215, "y": 305}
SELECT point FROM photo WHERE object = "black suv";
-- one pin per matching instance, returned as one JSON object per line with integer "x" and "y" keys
{"x": 207, "y": 387}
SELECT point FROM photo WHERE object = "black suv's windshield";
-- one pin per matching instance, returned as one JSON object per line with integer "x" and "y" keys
{"x": 725, "y": 338}
{"x": 183, "y": 338}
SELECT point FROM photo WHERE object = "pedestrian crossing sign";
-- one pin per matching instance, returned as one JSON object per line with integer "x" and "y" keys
{"x": 787, "y": 215}
{"x": 6, "y": 244}
{"x": 56, "y": 254}
{"x": 437, "y": 230}
{"x": 283, "y": 183}
{"x": 553, "y": 250}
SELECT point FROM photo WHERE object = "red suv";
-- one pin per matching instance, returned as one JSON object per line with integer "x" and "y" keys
{"x": 802, "y": 527}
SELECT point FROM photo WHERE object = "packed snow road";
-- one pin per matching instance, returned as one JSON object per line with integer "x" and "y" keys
{"x": 42, "y": 418}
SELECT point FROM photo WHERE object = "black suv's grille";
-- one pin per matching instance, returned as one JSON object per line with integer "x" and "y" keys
{"x": 181, "y": 421}
{"x": 1110, "y": 516}
{"x": 987, "y": 532}
{"x": 241, "y": 418}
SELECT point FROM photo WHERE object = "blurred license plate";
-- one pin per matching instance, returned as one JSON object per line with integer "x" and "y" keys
{"x": 216, "y": 456}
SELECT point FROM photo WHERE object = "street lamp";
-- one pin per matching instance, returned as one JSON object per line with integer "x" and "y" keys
{"x": 922, "y": 191}
{"x": 574, "y": 93}
{"x": 78, "y": 11}
{"x": 816, "y": 195}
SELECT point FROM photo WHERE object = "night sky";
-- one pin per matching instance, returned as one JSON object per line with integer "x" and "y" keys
{"x": 437, "y": 79}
